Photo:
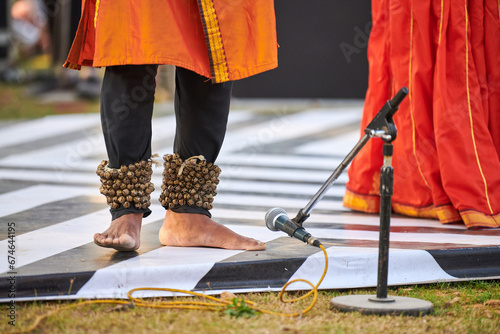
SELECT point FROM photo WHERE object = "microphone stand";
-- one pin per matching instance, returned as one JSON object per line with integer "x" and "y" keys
{"x": 381, "y": 126}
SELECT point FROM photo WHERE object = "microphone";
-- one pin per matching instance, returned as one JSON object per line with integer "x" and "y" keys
{"x": 277, "y": 220}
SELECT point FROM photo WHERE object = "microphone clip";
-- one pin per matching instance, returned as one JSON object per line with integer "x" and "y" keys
{"x": 300, "y": 218}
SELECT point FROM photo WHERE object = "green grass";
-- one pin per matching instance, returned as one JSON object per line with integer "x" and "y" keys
{"x": 464, "y": 307}
{"x": 16, "y": 104}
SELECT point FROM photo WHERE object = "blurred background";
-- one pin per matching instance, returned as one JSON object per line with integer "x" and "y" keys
{"x": 322, "y": 56}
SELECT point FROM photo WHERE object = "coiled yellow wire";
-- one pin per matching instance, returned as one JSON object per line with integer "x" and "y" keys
{"x": 216, "y": 304}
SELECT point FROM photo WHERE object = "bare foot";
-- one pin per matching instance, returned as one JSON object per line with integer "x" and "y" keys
{"x": 123, "y": 234}
{"x": 197, "y": 230}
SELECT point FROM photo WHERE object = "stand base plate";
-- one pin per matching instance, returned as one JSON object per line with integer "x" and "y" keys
{"x": 368, "y": 304}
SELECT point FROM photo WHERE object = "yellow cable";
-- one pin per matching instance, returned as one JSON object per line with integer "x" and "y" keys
{"x": 217, "y": 304}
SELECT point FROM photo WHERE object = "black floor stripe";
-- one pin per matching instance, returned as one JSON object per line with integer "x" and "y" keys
{"x": 258, "y": 269}
{"x": 51, "y": 214}
{"x": 57, "y": 284}
{"x": 7, "y": 186}
{"x": 469, "y": 262}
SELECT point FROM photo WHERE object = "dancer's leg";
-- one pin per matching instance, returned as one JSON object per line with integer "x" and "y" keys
{"x": 202, "y": 110}
{"x": 127, "y": 99}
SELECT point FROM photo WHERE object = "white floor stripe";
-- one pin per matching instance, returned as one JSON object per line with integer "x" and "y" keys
{"x": 282, "y": 188}
{"x": 30, "y": 197}
{"x": 338, "y": 145}
{"x": 73, "y": 154}
{"x": 54, "y": 239}
{"x": 53, "y": 176}
{"x": 239, "y": 116}
{"x": 49, "y": 126}
{"x": 357, "y": 267}
{"x": 166, "y": 267}
{"x": 269, "y": 201}
{"x": 163, "y": 128}
{"x": 289, "y": 126}
{"x": 277, "y": 174}
{"x": 233, "y": 160}
{"x": 62, "y": 156}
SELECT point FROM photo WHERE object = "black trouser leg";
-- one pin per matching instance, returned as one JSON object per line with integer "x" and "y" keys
{"x": 201, "y": 110}
{"x": 127, "y": 99}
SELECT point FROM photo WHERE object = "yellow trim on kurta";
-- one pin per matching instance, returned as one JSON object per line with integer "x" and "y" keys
{"x": 96, "y": 12}
{"x": 216, "y": 48}
{"x": 448, "y": 214}
{"x": 410, "y": 97}
{"x": 441, "y": 21}
{"x": 360, "y": 202}
{"x": 473, "y": 219}
{"x": 412, "y": 211}
{"x": 470, "y": 109}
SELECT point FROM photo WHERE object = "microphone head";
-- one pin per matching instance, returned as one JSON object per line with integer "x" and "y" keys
{"x": 271, "y": 216}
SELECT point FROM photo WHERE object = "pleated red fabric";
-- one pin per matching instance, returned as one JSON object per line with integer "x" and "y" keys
{"x": 446, "y": 156}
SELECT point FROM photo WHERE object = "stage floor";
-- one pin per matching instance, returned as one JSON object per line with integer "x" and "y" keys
{"x": 273, "y": 156}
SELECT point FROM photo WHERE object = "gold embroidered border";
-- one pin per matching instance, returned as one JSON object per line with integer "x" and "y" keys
{"x": 360, "y": 202}
{"x": 412, "y": 211}
{"x": 96, "y": 12}
{"x": 441, "y": 21}
{"x": 218, "y": 63}
{"x": 474, "y": 218}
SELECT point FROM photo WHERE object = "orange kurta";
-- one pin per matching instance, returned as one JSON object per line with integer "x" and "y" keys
{"x": 220, "y": 39}
{"x": 446, "y": 156}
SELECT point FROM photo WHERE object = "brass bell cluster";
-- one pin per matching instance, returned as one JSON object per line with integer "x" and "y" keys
{"x": 128, "y": 185}
{"x": 191, "y": 182}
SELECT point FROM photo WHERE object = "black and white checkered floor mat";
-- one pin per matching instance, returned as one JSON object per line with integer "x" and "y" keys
{"x": 49, "y": 198}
